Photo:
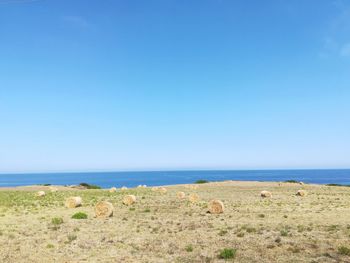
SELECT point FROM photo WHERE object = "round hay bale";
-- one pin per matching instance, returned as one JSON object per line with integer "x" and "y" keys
{"x": 73, "y": 202}
{"x": 181, "y": 195}
{"x": 216, "y": 207}
{"x": 193, "y": 198}
{"x": 162, "y": 190}
{"x": 124, "y": 188}
{"x": 53, "y": 189}
{"x": 301, "y": 193}
{"x": 40, "y": 193}
{"x": 265, "y": 194}
{"x": 113, "y": 190}
{"x": 301, "y": 183}
{"x": 129, "y": 199}
{"x": 104, "y": 209}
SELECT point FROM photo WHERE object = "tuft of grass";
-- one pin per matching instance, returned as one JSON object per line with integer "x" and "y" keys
{"x": 227, "y": 253}
{"x": 189, "y": 248}
{"x": 57, "y": 221}
{"x": 201, "y": 181}
{"x": 80, "y": 215}
{"x": 332, "y": 228}
{"x": 147, "y": 210}
{"x": 222, "y": 232}
{"x": 262, "y": 216}
{"x": 284, "y": 232}
{"x": 343, "y": 250}
{"x": 240, "y": 234}
{"x": 50, "y": 246}
{"x": 71, "y": 238}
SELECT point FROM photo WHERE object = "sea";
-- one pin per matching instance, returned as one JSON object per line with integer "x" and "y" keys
{"x": 155, "y": 178}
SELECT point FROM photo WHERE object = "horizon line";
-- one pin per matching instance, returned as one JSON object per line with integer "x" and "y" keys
{"x": 172, "y": 170}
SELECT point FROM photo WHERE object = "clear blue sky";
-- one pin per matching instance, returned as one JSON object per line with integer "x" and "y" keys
{"x": 174, "y": 84}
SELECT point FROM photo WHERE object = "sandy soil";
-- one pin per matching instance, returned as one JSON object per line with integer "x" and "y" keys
{"x": 162, "y": 228}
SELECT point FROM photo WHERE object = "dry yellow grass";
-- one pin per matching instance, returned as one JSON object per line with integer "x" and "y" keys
{"x": 158, "y": 228}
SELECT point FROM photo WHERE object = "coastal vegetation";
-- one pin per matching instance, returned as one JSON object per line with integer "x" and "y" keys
{"x": 201, "y": 181}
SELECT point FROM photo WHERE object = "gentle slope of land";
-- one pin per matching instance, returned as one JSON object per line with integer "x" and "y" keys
{"x": 162, "y": 228}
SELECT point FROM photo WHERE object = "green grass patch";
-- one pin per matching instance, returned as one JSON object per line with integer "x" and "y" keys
{"x": 227, "y": 253}
{"x": 343, "y": 250}
{"x": 80, "y": 215}
{"x": 189, "y": 248}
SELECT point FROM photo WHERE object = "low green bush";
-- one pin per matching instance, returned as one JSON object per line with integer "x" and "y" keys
{"x": 80, "y": 215}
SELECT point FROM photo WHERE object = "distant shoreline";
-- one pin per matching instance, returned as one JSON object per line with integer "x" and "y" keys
{"x": 157, "y": 178}
{"x": 239, "y": 183}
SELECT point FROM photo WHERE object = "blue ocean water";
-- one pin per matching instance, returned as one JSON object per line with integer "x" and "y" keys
{"x": 132, "y": 179}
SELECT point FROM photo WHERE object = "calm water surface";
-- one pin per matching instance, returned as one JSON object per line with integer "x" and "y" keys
{"x": 132, "y": 179}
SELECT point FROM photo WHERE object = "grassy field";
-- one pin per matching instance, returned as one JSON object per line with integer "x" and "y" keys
{"x": 161, "y": 228}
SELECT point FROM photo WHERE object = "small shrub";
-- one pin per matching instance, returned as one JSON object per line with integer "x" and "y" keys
{"x": 301, "y": 228}
{"x": 343, "y": 250}
{"x": 90, "y": 186}
{"x": 261, "y": 215}
{"x": 250, "y": 230}
{"x": 332, "y": 228}
{"x": 57, "y": 221}
{"x": 147, "y": 210}
{"x": 292, "y": 181}
{"x": 201, "y": 182}
{"x": 240, "y": 234}
{"x": 50, "y": 246}
{"x": 189, "y": 248}
{"x": 228, "y": 253}
{"x": 284, "y": 232}
{"x": 80, "y": 215}
{"x": 71, "y": 238}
